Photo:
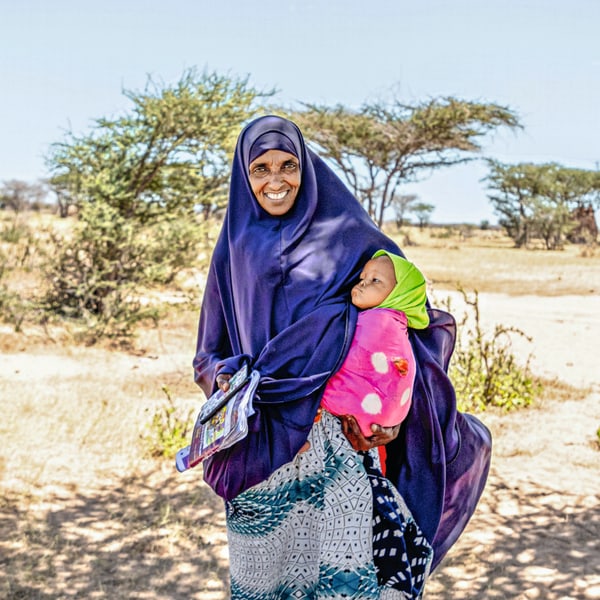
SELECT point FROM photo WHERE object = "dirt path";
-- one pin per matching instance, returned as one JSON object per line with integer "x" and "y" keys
{"x": 82, "y": 517}
{"x": 536, "y": 533}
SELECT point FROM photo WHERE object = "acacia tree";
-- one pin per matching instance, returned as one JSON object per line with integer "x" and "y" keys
{"x": 423, "y": 211}
{"x": 171, "y": 152}
{"x": 19, "y": 195}
{"x": 401, "y": 204}
{"x": 513, "y": 189}
{"x": 383, "y": 146}
{"x": 138, "y": 182}
{"x": 539, "y": 200}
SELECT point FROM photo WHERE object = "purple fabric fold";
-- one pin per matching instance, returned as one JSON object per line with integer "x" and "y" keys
{"x": 440, "y": 460}
{"x": 277, "y": 294}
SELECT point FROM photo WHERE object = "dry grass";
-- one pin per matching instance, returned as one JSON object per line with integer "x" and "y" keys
{"x": 85, "y": 514}
{"x": 83, "y": 511}
{"x": 488, "y": 262}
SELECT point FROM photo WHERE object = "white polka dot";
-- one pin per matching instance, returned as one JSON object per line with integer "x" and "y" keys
{"x": 405, "y": 396}
{"x": 371, "y": 404}
{"x": 379, "y": 362}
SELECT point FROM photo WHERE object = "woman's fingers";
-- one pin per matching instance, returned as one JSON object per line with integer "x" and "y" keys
{"x": 352, "y": 431}
{"x": 381, "y": 435}
{"x": 384, "y": 435}
{"x": 305, "y": 447}
{"x": 223, "y": 381}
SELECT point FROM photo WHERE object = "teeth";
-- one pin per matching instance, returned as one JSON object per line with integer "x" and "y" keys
{"x": 279, "y": 196}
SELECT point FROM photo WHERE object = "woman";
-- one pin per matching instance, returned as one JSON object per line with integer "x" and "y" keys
{"x": 299, "y": 488}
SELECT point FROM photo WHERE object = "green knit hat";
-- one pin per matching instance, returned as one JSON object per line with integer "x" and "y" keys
{"x": 409, "y": 294}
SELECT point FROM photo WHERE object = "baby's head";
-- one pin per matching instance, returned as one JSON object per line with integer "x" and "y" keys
{"x": 377, "y": 280}
{"x": 390, "y": 281}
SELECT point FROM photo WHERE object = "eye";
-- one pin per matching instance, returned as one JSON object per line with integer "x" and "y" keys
{"x": 290, "y": 166}
{"x": 259, "y": 171}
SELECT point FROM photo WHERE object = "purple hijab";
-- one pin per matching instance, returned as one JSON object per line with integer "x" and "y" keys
{"x": 277, "y": 294}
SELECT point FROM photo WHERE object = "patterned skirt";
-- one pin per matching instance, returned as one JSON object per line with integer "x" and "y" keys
{"x": 325, "y": 526}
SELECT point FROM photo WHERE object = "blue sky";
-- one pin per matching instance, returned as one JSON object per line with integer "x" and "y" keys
{"x": 64, "y": 63}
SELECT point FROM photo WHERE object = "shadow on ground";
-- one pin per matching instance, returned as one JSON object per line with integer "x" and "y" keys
{"x": 149, "y": 536}
{"x": 143, "y": 537}
{"x": 524, "y": 541}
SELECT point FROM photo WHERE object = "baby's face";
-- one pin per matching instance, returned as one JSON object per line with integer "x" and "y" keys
{"x": 377, "y": 280}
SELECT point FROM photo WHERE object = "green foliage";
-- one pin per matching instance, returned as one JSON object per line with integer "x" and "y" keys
{"x": 98, "y": 274}
{"x": 169, "y": 430}
{"x": 383, "y": 146}
{"x": 537, "y": 201}
{"x": 14, "y": 233}
{"x": 171, "y": 246}
{"x": 20, "y": 242}
{"x": 402, "y": 204}
{"x": 19, "y": 252}
{"x": 422, "y": 210}
{"x": 483, "y": 368}
{"x": 12, "y": 308}
{"x": 140, "y": 183}
{"x": 170, "y": 153}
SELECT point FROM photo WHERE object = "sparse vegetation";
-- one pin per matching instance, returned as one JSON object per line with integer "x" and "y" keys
{"x": 484, "y": 369}
{"x": 545, "y": 202}
{"x": 170, "y": 428}
{"x": 86, "y": 511}
{"x": 142, "y": 186}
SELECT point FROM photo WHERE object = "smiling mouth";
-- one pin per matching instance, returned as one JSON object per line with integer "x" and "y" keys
{"x": 279, "y": 196}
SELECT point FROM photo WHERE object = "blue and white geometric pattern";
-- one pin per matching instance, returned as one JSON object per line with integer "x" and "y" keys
{"x": 401, "y": 552}
{"x": 307, "y": 532}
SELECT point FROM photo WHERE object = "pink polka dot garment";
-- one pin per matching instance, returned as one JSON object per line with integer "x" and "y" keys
{"x": 375, "y": 381}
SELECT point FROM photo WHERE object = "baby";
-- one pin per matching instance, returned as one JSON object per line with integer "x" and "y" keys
{"x": 376, "y": 379}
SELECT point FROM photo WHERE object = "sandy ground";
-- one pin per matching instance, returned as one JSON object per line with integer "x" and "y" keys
{"x": 565, "y": 332}
{"x": 536, "y": 533}
{"x": 92, "y": 530}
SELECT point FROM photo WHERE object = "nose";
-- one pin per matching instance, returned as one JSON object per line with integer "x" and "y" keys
{"x": 276, "y": 177}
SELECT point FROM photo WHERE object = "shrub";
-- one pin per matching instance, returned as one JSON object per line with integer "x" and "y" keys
{"x": 484, "y": 370}
{"x": 99, "y": 275}
{"x": 169, "y": 430}
{"x": 12, "y": 309}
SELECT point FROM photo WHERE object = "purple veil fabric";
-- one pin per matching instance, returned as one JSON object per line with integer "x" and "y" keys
{"x": 277, "y": 294}
{"x": 441, "y": 459}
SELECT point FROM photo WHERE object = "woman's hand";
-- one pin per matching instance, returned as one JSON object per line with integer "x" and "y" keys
{"x": 380, "y": 437}
{"x": 223, "y": 381}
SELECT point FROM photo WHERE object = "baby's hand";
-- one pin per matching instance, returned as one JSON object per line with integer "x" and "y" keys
{"x": 381, "y": 435}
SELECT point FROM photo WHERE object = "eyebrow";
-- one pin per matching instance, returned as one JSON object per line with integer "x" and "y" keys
{"x": 263, "y": 163}
{"x": 257, "y": 164}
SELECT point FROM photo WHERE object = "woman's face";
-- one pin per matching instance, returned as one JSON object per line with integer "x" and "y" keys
{"x": 275, "y": 180}
{"x": 377, "y": 280}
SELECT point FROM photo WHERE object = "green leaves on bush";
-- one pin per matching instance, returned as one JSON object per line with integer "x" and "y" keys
{"x": 140, "y": 185}
{"x": 169, "y": 430}
{"x": 12, "y": 307}
{"x": 484, "y": 369}
{"x": 95, "y": 275}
